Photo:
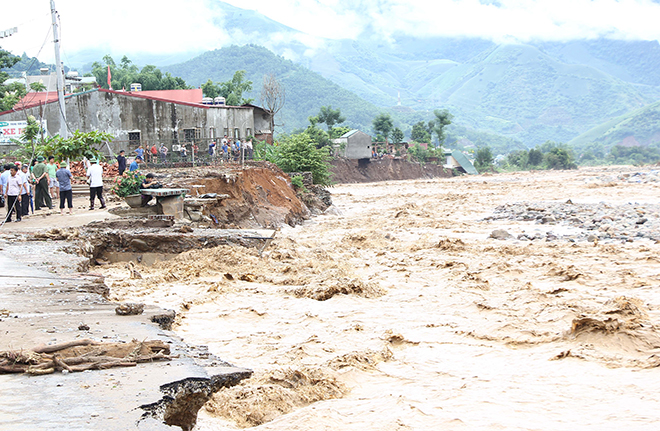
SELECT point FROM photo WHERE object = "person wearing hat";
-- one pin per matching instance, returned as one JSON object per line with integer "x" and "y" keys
{"x": 66, "y": 190}
{"x": 42, "y": 197}
{"x": 95, "y": 174}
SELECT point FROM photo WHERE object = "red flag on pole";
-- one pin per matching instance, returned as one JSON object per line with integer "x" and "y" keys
{"x": 109, "y": 78}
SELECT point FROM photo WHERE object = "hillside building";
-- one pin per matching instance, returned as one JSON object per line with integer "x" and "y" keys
{"x": 167, "y": 117}
{"x": 72, "y": 81}
{"x": 357, "y": 144}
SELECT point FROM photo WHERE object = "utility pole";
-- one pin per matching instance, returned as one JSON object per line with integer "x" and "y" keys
{"x": 60, "y": 73}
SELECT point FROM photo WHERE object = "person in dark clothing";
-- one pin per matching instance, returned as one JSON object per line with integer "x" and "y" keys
{"x": 64, "y": 178}
{"x": 121, "y": 160}
{"x": 149, "y": 183}
{"x": 41, "y": 189}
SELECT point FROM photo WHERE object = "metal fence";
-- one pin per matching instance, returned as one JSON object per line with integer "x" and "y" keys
{"x": 196, "y": 153}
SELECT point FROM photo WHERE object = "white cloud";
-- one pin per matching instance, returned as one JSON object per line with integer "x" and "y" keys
{"x": 121, "y": 26}
{"x": 504, "y": 19}
{"x": 168, "y": 26}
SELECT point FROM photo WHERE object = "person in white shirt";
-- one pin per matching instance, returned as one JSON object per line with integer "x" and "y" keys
{"x": 25, "y": 196}
{"x": 95, "y": 174}
{"x": 4, "y": 176}
{"x": 13, "y": 194}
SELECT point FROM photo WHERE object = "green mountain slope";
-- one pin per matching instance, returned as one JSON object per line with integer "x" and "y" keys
{"x": 639, "y": 127}
{"x": 306, "y": 91}
{"x": 515, "y": 90}
{"x": 531, "y": 93}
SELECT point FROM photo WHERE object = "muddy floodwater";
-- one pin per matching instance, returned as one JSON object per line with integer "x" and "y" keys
{"x": 511, "y": 301}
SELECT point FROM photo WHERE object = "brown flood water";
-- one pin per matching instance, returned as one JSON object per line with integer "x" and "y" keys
{"x": 445, "y": 328}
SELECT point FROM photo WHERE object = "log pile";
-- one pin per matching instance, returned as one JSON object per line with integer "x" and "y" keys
{"x": 82, "y": 355}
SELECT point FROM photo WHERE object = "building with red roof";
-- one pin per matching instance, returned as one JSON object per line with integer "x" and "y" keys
{"x": 171, "y": 117}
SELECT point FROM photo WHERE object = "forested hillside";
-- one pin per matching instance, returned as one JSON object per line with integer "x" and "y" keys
{"x": 637, "y": 128}
{"x": 306, "y": 91}
{"x": 516, "y": 90}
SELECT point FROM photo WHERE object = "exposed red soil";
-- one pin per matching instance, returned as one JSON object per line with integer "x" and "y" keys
{"x": 259, "y": 196}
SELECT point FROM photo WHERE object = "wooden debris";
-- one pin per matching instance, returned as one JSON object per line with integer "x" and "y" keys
{"x": 129, "y": 309}
{"x": 82, "y": 355}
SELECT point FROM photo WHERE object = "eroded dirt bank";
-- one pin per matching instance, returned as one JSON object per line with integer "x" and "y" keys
{"x": 385, "y": 169}
{"x": 407, "y": 312}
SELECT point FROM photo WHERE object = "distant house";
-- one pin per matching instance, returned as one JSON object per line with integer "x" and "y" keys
{"x": 72, "y": 81}
{"x": 457, "y": 160}
{"x": 357, "y": 144}
{"x": 169, "y": 116}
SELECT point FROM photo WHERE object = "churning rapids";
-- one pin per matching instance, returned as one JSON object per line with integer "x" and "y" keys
{"x": 406, "y": 310}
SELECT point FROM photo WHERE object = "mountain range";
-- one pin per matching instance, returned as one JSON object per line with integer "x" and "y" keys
{"x": 526, "y": 92}
{"x": 520, "y": 94}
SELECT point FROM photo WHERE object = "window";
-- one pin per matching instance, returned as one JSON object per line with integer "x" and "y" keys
{"x": 226, "y": 132}
{"x": 188, "y": 135}
{"x": 237, "y": 133}
{"x": 248, "y": 132}
{"x": 212, "y": 132}
{"x": 134, "y": 138}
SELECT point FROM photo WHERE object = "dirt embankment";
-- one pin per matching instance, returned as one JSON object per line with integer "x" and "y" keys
{"x": 258, "y": 196}
{"x": 354, "y": 171}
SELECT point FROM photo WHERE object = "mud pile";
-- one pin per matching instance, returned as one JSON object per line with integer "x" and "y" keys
{"x": 260, "y": 400}
{"x": 259, "y": 196}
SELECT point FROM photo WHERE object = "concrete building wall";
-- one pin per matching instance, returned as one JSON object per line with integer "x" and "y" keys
{"x": 156, "y": 120}
{"x": 358, "y": 146}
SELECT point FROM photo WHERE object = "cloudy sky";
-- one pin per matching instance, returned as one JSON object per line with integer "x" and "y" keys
{"x": 168, "y": 27}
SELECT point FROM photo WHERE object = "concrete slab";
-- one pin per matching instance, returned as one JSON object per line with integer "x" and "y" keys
{"x": 45, "y": 308}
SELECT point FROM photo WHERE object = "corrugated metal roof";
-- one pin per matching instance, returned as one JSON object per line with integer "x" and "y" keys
{"x": 464, "y": 162}
{"x": 181, "y": 97}
{"x": 350, "y": 133}
{"x": 193, "y": 95}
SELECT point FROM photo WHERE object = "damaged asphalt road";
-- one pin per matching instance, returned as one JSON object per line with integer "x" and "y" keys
{"x": 38, "y": 307}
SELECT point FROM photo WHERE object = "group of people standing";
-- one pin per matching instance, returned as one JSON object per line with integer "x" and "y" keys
{"x": 231, "y": 149}
{"x": 32, "y": 187}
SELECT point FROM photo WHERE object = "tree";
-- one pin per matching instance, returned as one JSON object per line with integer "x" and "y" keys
{"x": 420, "y": 133}
{"x": 27, "y": 142}
{"x": 37, "y": 86}
{"x": 383, "y": 125}
{"x": 320, "y": 137}
{"x": 519, "y": 159}
{"x": 209, "y": 89}
{"x": 330, "y": 117}
{"x": 560, "y": 158}
{"x": 338, "y": 132}
{"x": 484, "y": 159}
{"x": 535, "y": 157}
{"x": 419, "y": 153}
{"x": 75, "y": 147}
{"x": 397, "y": 135}
{"x": 9, "y": 95}
{"x": 236, "y": 86}
{"x": 127, "y": 73}
{"x": 442, "y": 120}
{"x": 298, "y": 153}
{"x": 273, "y": 96}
